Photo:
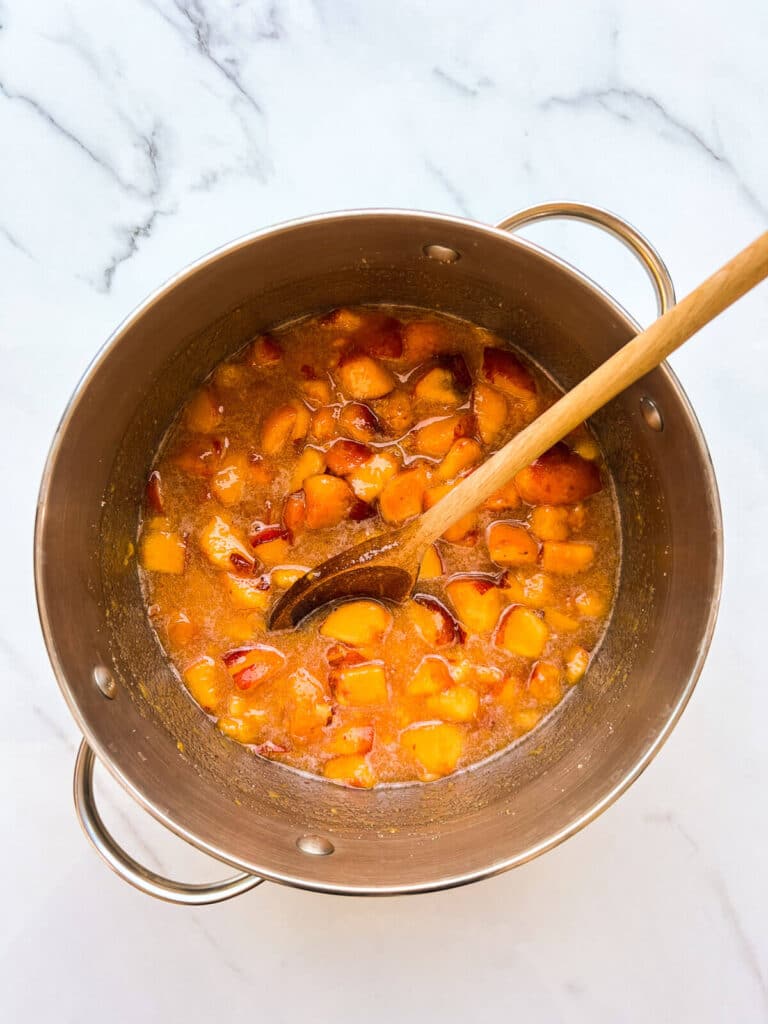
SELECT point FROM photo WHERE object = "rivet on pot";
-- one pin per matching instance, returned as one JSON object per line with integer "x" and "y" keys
{"x": 105, "y": 681}
{"x": 315, "y": 846}
{"x": 441, "y": 253}
{"x": 651, "y": 413}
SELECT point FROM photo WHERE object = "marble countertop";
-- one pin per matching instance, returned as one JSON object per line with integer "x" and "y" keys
{"x": 139, "y": 135}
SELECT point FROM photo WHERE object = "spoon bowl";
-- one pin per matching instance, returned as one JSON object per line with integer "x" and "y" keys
{"x": 369, "y": 569}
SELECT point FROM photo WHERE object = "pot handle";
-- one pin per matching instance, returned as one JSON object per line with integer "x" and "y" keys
{"x": 190, "y": 895}
{"x": 609, "y": 222}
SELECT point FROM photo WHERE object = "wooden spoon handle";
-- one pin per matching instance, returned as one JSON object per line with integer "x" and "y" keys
{"x": 631, "y": 362}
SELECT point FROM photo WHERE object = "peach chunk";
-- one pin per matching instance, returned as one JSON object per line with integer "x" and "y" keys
{"x": 431, "y": 676}
{"x": 369, "y": 479}
{"x": 355, "y": 739}
{"x": 559, "y": 622}
{"x": 251, "y": 665}
{"x": 328, "y": 501}
{"x": 289, "y": 422}
{"x": 544, "y": 683}
{"x": 435, "y": 437}
{"x": 323, "y": 424}
{"x": 566, "y": 557}
{"x": 260, "y": 472}
{"x": 230, "y": 376}
{"x": 590, "y": 603}
{"x": 357, "y": 422}
{"x": 522, "y": 631}
{"x": 424, "y": 338}
{"x": 229, "y": 480}
{"x": 431, "y": 564}
{"x": 264, "y": 351}
{"x": 163, "y": 551}
{"x": 339, "y": 654}
{"x": 352, "y": 769}
{"x": 248, "y": 591}
{"x": 341, "y": 319}
{"x": 534, "y": 589}
{"x": 203, "y": 680}
{"x": 402, "y": 496}
{"x": 362, "y": 377}
{"x": 583, "y": 443}
{"x": 395, "y": 413}
{"x": 241, "y": 627}
{"x": 462, "y": 454}
{"x": 286, "y": 575}
{"x": 357, "y": 623}
{"x": 558, "y": 477}
{"x": 437, "y": 748}
{"x": 317, "y": 391}
{"x": 154, "y": 494}
{"x": 277, "y": 428}
{"x": 505, "y": 371}
{"x": 380, "y": 336}
{"x": 576, "y": 662}
{"x": 203, "y": 412}
{"x": 359, "y": 685}
{"x": 457, "y": 704}
{"x": 294, "y": 512}
{"x": 311, "y": 462}
{"x": 343, "y": 456}
{"x": 308, "y": 708}
{"x": 577, "y": 516}
{"x": 271, "y": 544}
{"x": 180, "y": 628}
{"x": 490, "y": 409}
{"x": 505, "y": 498}
{"x": 222, "y": 547}
{"x": 485, "y": 677}
{"x": 464, "y": 530}
{"x": 199, "y": 457}
{"x": 433, "y": 622}
{"x": 438, "y": 386}
{"x": 526, "y": 718}
{"x": 510, "y": 692}
{"x": 247, "y": 727}
{"x": 477, "y": 601}
{"x": 551, "y": 522}
{"x": 511, "y": 545}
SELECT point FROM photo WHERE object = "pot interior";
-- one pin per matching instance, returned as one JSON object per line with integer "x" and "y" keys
{"x": 249, "y": 811}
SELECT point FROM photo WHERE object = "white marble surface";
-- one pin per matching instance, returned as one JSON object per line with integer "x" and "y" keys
{"x": 138, "y": 135}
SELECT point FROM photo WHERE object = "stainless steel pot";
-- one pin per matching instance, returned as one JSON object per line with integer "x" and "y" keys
{"x": 254, "y": 815}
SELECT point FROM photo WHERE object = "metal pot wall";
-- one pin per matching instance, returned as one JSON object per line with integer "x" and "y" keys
{"x": 272, "y": 823}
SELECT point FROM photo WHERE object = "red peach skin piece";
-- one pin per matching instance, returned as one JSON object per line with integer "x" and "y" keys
{"x": 505, "y": 371}
{"x": 558, "y": 477}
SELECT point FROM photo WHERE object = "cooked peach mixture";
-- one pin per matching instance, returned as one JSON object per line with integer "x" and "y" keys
{"x": 318, "y": 436}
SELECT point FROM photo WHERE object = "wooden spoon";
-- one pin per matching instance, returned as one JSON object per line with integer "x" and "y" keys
{"x": 387, "y": 566}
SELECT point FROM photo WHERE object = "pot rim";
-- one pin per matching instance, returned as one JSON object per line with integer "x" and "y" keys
{"x": 450, "y": 881}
